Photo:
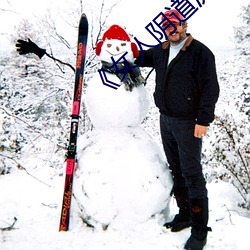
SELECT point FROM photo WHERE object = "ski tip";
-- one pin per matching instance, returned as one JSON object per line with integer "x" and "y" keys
{"x": 83, "y": 20}
{"x": 84, "y": 17}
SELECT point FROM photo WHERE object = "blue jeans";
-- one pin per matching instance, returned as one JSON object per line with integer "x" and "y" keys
{"x": 183, "y": 152}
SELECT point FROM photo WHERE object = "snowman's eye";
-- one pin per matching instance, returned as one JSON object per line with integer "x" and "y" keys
{"x": 123, "y": 44}
{"x": 109, "y": 45}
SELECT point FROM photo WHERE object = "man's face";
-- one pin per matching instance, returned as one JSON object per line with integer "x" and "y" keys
{"x": 179, "y": 34}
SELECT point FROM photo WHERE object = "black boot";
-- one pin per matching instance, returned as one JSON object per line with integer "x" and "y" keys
{"x": 199, "y": 215}
{"x": 182, "y": 220}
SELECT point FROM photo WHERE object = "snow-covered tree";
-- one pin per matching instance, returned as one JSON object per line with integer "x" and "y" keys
{"x": 34, "y": 104}
{"x": 230, "y": 154}
{"x": 36, "y": 95}
{"x": 242, "y": 33}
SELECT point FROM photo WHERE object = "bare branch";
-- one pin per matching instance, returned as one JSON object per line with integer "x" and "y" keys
{"x": 10, "y": 227}
{"x": 102, "y": 21}
{"x": 57, "y": 60}
{"x": 30, "y": 127}
{"x": 237, "y": 150}
{"x": 8, "y": 11}
{"x": 19, "y": 166}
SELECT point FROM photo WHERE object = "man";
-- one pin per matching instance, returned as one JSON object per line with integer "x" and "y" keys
{"x": 186, "y": 93}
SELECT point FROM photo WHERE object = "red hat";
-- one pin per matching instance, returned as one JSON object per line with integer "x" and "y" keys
{"x": 172, "y": 17}
{"x": 116, "y": 32}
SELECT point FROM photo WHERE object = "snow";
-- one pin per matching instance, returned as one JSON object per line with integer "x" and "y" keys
{"x": 124, "y": 181}
{"x": 115, "y": 108}
{"x": 37, "y": 208}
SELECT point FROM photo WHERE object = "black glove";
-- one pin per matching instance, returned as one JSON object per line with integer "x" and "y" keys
{"x": 24, "y": 47}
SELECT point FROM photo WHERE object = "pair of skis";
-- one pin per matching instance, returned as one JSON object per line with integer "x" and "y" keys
{"x": 71, "y": 153}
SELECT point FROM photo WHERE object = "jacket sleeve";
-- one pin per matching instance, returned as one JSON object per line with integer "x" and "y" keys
{"x": 208, "y": 87}
{"x": 145, "y": 58}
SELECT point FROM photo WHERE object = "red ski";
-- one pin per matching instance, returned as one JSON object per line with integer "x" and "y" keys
{"x": 71, "y": 153}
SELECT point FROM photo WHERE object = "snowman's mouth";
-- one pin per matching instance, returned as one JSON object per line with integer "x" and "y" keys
{"x": 115, "y": 54}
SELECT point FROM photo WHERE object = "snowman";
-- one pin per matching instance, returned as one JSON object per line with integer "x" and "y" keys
{"x": 122, "y": 178}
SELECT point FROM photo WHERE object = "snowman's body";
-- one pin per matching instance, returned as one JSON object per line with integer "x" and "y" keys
{"x": 122, "y": 177}
{"x": 109, "y": 108}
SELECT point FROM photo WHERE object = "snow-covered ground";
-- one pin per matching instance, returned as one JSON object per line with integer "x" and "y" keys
{"x": 37, "y": 208}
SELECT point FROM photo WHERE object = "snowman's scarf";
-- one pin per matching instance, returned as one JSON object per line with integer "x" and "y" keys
{"x": 130, "y": 74}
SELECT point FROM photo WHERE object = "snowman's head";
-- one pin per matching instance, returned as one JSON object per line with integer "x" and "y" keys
{"x": 115, "y": 43}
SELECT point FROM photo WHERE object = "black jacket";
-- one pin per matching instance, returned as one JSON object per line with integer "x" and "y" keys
{"x": 186, "y": 88}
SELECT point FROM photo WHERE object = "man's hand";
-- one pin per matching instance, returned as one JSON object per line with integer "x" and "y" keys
{"x": 24, "y": 47}
{"x": 200, "y": 131}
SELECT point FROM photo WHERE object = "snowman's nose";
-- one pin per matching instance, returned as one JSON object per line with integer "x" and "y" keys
{"x": 117, "y": 48}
